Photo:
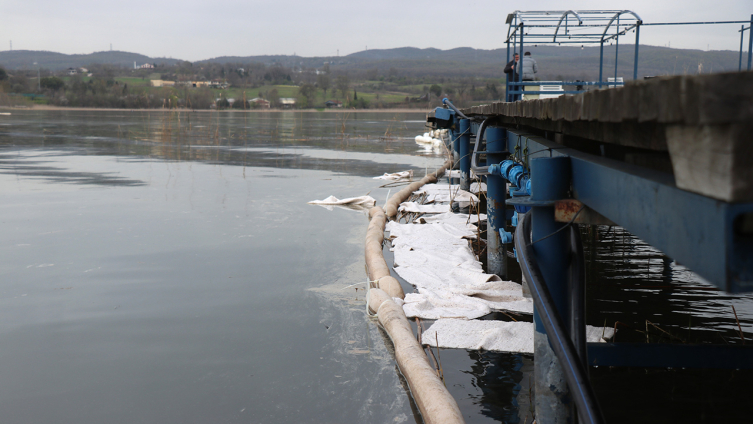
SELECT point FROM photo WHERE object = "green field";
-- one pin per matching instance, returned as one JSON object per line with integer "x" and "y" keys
{"x": 366, "y": 92}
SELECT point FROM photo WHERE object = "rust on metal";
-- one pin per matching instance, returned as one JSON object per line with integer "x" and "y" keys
{"x": 566, "y": 210}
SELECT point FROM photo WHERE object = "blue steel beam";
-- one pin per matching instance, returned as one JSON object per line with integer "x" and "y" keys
{"x": 709, "y": 236}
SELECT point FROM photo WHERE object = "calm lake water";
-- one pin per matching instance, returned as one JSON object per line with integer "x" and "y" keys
{"x": 165, "y": 268}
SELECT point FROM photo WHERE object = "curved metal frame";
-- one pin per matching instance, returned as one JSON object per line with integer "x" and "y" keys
{"x": 617, "y": 15}
{"x": 562, "y": 18}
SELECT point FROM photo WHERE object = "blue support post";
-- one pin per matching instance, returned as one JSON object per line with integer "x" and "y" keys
{"x": 742, "y": 35}
{"x": 601, "y": 62}
{"x": 507, "y": 76}
{"x": 464, "y": 150}
{"x": 635, "y": 62}
{"x": 550, "y": 181}
{"x": 455, "y": 140}
{"x": 496, "y": 192}
{"x": 750, "y": 42}
{"x": 520, "y": 64}
{"x": 616, "y": 50}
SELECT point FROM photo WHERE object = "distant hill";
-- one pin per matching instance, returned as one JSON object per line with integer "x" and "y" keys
{"x": 554, "y": 62}
{"x": 24, "y": 59}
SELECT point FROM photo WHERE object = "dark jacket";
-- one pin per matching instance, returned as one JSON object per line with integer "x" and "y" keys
{"x": 511, "y": 69}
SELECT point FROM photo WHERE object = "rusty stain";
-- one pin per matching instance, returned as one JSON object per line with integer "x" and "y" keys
{"x": 564, "y": 210}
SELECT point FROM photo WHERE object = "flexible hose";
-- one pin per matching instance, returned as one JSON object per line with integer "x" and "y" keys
{"x": 483, "y": 170}
{"x": 589, "y": 411}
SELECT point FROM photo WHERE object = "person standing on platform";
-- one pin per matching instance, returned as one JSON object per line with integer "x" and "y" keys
{"x": 512, "y": 75}
{"x": 530, "y": 68}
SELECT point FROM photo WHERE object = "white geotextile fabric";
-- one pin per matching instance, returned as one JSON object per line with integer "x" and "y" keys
{"x": 455, "y": 218}
{"x": 437, "y": 259}
{"x": 455, "y": 173}
{"x": 425, "y": 139}
{"x": 417, "y": 207}
{"x": 332, "y": 200}
{"x": 397, "y": 176}
{"x": 498, "y": 336}
{"x": 478, "y": 187}
{"x": 354, "y": 203}
{"x": 445, "y": 193}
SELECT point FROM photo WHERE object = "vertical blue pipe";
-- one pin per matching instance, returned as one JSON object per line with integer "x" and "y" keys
{"x": 601, "y": 61}
{"x": 520, "y": 64}
{"x": 635, "y": 62}
{"x": 742, "y": 35}
{"x": 455, "y": 147}
{"x": 496, "y": 192}
{"x": 616, "y": 50}
{"x": 507, "y": 76}
{"x": 464, "y": 139}
{"x": 750, "y": 42}
{"x": 550, "y": 180}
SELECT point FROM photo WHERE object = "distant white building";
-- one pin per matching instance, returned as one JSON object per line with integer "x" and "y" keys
{"x": 162, "y": 83}
{"x": 72, "y": 71}
{"x": 144, "y": 66}
{"x": 260, "y": 103}
{"x": 287, "y": 102}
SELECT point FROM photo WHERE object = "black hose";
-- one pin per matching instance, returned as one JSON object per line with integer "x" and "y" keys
{"x": 575, "y": 372}
{"x": 577, "y": 290}
{"x": 483, "y": 170}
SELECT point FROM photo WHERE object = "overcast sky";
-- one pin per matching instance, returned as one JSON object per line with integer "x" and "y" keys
{"x": 194, "y": 30}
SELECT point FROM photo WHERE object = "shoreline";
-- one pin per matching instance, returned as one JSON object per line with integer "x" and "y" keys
{"x": 101, "y": 109}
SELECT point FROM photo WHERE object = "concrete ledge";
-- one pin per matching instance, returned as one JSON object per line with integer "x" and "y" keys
{"x": 705, "y": 122}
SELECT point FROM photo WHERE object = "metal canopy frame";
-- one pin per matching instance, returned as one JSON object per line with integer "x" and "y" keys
{"x": 557, "y": 27}
{"x": 582, "y": 27}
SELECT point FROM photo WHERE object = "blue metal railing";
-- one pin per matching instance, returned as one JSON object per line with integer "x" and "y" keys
{"x": 600, "y": 84}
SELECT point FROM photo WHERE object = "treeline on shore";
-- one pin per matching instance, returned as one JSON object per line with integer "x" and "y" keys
{"x": 110, "y": 86}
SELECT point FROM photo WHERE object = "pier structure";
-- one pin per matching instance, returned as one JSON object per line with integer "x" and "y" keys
{"x": 581, "y": 28}
{"x": 669, "y": 159}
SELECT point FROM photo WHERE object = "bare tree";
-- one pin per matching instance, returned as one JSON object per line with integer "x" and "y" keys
{"x": 323, "y": 81}
{"x": 308, "y": 92}
{"x": 342, "y": 83}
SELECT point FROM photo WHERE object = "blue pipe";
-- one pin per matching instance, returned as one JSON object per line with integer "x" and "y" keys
{"x": 447, "y": 102}
{"x": 496, "y": 194}
{"x": 517, "y": 175}
{"x": 510, "y": 170}
{"x": 464, "y": 139}
{"x": 551, "y": 181}
{"x": 455, "y": 140}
